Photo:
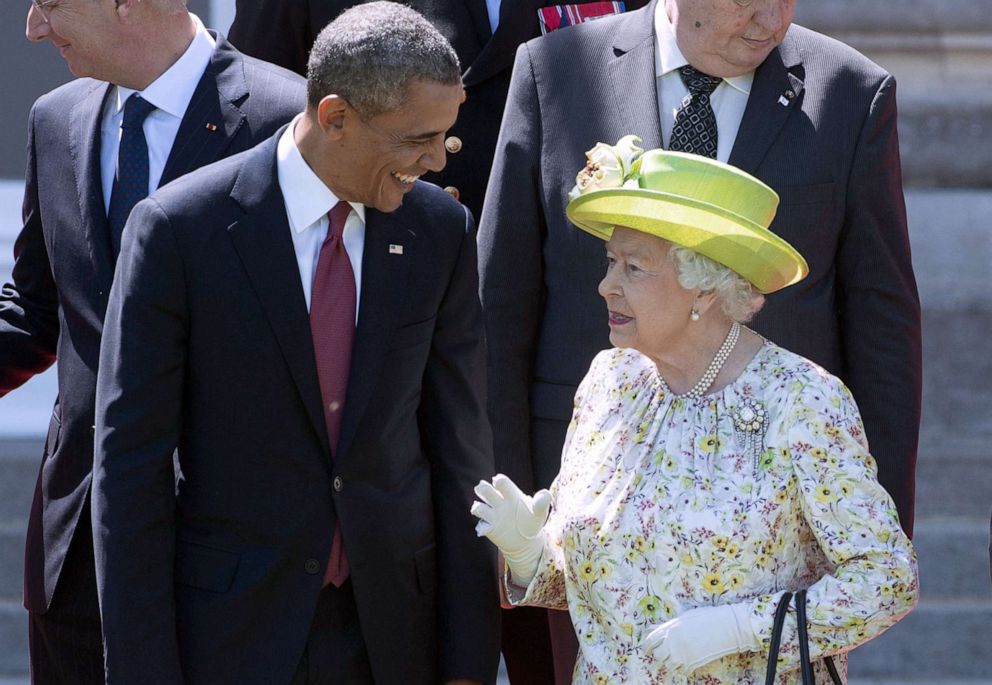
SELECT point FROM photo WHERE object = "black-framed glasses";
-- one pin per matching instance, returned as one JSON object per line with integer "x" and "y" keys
{"x": 44, "y": 7}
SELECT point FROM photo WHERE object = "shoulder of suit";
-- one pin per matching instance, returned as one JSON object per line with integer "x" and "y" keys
{"x": 427, "y": 202}
{"x": 830, "y": 54}
{"x": 68, "y": 94}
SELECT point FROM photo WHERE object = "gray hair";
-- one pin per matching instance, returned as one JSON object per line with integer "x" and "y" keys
{"x": 738, "y": 299}
{"x": 371, "y": 54}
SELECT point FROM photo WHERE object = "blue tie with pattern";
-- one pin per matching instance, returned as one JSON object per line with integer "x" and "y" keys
{"x": 695, "y": 121}
{"x": 131, "y": 180}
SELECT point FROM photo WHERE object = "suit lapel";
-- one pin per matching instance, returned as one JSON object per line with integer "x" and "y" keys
{"x": 84, "y": 145}
{"x": 384, "y": 290}
{"x": 775, "y": 93}
{"x": 262, "y": 240}
{"x": 212, "y": 118}
{"x": 480, "y": 20}
{"x": 518, "y": 24}
{"x": 631, "y": 74}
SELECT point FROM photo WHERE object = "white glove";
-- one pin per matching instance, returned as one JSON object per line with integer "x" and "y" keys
{"x": 701, "y": 635}
{"x": 513, "y": 522}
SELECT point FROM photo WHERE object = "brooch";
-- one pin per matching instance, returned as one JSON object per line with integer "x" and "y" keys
{"x": 750, "y": 424}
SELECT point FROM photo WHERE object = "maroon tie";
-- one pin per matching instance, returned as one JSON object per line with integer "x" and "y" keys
{"x": 332, "y": 325}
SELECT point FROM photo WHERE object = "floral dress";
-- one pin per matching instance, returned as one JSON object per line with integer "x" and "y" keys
{"x": 664, "y": 504}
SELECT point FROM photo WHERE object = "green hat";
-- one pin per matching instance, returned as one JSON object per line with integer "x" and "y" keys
{"x": 706, "y": 206}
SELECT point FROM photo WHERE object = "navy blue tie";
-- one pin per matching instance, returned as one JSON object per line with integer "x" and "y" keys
{"x": 131, "y": 180}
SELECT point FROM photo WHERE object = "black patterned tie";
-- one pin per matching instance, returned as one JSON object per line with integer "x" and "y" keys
{"x": 695, "y": 122}
{"x": 131, "y": 179}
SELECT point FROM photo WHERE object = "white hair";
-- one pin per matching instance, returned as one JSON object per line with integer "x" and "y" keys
{"x": 738, "y": 299}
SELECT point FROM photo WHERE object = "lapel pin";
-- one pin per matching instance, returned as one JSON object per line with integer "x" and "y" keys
{"x": 211, "y": 127}
{"x": 785, "y": 97}
{"x": 395, "y": 249}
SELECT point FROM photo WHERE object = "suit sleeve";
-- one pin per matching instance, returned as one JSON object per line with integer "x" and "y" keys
{"x": 277, "y": 31}
{"x": 511, "y": 270}
{"x": 29, "y": 324}
{"x": 139, "y": 400}
{"x": 459, "y": 448}
{"x": 879, "y": 305}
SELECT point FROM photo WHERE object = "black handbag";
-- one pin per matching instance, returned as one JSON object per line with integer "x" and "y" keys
{"x": 805, "y": 665}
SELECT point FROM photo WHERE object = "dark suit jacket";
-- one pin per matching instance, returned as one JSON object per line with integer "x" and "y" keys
{"x": 208, "y": 348}
{"x": 282, "y": 32}
{"x": 831, "y": 153}
{"x": 64, "y": 266}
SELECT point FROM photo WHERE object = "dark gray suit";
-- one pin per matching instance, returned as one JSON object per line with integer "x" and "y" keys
{"x": 61, "y": 283}
{"x": 831, "y": 152}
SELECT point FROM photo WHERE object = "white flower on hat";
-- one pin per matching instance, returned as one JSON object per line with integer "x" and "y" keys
{"x": 608, "y": 166}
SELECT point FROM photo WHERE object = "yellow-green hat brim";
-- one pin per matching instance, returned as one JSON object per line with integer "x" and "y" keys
{"x": 754, "y": 252}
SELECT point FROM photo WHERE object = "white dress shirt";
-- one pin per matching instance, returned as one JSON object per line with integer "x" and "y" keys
{"x": 728, "y": 100}
{"x": 492, "y": 7}
{"x": 170, "y": 93}
{"x": 308, "y": 201}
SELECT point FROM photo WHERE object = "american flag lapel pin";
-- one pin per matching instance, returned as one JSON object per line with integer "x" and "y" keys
{"x": 395, "y": 249}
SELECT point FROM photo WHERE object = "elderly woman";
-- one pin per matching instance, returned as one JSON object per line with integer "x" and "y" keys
{"x": 706, "y": 470}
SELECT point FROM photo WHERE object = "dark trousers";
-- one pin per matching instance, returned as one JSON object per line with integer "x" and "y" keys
{"x": 335, "y": 650}
{"x": 66, "y": 642}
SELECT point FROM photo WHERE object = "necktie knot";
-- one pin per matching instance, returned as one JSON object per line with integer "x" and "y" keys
{"x": 136, "y": 110}
{"x": 697, "y": 82}
{"x": 338, "y": 216}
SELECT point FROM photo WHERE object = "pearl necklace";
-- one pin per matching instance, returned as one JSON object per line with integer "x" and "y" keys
{"x": 712, "y": 371}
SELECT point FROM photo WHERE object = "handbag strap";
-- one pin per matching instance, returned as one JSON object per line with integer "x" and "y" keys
{"x": 804, "y": 661}
{"x": 780, "y": 613}
{"x": 805, "y": 665}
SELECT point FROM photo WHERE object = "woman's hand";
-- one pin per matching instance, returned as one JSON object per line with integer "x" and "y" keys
{"x": 701, "y": 635}
{"x": 513, "y": 522}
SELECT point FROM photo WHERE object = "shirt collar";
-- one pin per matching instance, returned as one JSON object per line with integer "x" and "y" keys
{"x": 668, "y": 57}
{"x": 172, "y": 91}
{"x": 307, "y": 198}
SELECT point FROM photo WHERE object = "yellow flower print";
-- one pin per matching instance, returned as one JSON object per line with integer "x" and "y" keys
{"x": 735, "y": 580}
{"x": 720, "y": 542}
{"x": 710, "y": 444}
{"x": 627, "y": 628}
{"x": 761, "y": 561}
{"x": 886, "y": 591}
{"x": 883, "y": 536}
{"x": 601, "y": 679}
{"x": 650, "y": 606}
{"x": 826, "y": 494}
{"x": 767, "y": 459}
{"x": 845, "y": 490}
{"x": 733, "y": 549}
{"x": 819, "y": 454}
{"x": 781, "y": 496}
{"x": 588, "y": 572}
{"x": 604, "y": 570}
{"x": 713, "y": 583}
{"x": 687, "y": 559}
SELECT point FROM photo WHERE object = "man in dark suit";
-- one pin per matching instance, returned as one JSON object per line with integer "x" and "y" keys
{"x": 485, "y": 34}
{"x": 805, "y": 114}
{"x": 210, "y": 101}
{"x": 319, "y": 531}
{"x": 282, "y": 31}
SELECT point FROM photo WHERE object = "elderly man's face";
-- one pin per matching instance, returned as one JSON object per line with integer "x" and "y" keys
{"x": 387, "y": 153}
{"x": 84, "y": 31}
{"x": 728, "y": 38}
{"x": 648, "y": 309}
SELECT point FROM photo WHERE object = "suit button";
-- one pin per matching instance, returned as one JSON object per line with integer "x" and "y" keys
{"x": 453, "y": 144}
{"x": 312, "y": 567}
{"x": 338, "y": 484}
{"x": 453, "y": 192}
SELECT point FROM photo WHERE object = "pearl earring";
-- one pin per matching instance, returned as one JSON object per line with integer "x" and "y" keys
{"x": 694, "y": 315}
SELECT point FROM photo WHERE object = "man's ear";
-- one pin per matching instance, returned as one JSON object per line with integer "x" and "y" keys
{"x": 333, "y": 115}
{"x": 125, "y": 8}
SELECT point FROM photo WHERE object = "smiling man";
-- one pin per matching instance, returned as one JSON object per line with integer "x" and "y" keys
{"x": 734, "y": 80}
{"x": 197, "y": 100}
{"x": 301, "y": 323}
